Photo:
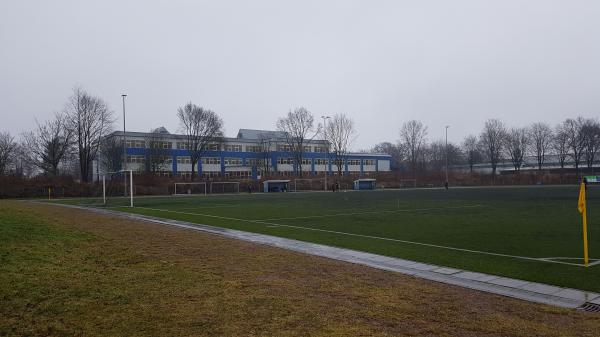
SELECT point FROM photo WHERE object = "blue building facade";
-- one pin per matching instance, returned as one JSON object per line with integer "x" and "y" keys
{"x": 252, "y": 154}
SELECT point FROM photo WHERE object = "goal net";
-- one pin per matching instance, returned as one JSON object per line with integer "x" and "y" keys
{"x": 217, "y": 187}
{"x": 408, "y": 183}
{"x": 314, "y": 184}
{"x": 117, "y": 189}
{"x": 190, "y": 188}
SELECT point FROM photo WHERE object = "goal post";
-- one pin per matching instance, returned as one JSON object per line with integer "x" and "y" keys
{"x": 408, "y": 183}
{"x": 189, "y": 188}
{"x": 106, "y": 190}
{"x": 224, "y": 187}
{"x": 310, "y": 184}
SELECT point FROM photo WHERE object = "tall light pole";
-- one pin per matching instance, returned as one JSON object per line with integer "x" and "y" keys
{"x": 447, "y": 126}
{"x": 325, "y": 118}
{"x": 124, "y": 148}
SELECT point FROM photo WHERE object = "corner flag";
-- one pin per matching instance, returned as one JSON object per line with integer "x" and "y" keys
{"x": 581, "y": 207}
{"x": 581, "y": 202}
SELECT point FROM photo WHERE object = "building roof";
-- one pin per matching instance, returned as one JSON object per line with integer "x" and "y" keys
{"x": 260, "y": 134}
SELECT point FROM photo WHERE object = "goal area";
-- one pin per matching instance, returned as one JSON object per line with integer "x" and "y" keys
{"x": 117, "y": 189}
{"x": 190, "y": 188}
{"x": 220, "y": 187}
{"x": 309, "y": 184}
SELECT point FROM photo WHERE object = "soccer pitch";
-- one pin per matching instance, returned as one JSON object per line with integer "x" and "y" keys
{"x": 530, "y": 233}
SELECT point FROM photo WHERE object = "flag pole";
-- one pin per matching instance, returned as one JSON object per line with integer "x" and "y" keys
{"x": 583, "y": 210}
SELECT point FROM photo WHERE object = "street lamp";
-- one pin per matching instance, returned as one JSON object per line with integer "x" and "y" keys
{"x": 325, "y": 118}
{"x": 124, "y": 148}
{"x": 447, "y": 126}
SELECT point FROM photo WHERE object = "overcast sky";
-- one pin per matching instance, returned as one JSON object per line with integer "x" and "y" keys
{"x": 380, "y": 62}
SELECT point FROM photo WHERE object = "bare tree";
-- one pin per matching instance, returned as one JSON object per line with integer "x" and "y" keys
{"x": 298, "y": 128}
{"x": 395, "y": 151}
{"x": 157, "y": 154}
{"x": 111, "y": 153}
{"x": 591, "y": 135}
{"x": 340, "y": 133}
{"x": 265, "y": 144}
{"x": 516, "y": 142}
{"x": 90, "y": 119}
{"x": 472, "y": 152}
{"x": 202, "y": 128}
{"x": 49, "y": 144}
{"x": 541, "y": 141}
{"x": 492, "y": 138}
{"x": 7, "y": 149}
{"x": 560, "y": 145}
{"x": 575, "y": 139}
{"x": 413, "y": 135}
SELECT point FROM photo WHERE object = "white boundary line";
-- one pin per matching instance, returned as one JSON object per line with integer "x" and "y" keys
{"x": 373, "y": 237}
{"x": 373, "y": 212}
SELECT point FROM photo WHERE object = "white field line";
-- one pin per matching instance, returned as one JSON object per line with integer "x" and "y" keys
{"x": 368, "y": 236}
{"x": 372, "y": 212}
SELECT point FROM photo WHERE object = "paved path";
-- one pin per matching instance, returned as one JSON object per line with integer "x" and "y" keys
{"x": 525, "y": 290}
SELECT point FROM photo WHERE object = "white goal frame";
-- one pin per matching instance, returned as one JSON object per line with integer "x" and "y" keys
{"x": 194, "y": 183}
{"x": 130, "y": 186}
{"x": 325, "y": 187}
{"x": 413, "y": 181}
{"x": 236, "y": 183}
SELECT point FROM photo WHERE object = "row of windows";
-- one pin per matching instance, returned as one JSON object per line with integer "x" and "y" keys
{"x": 135, "y": 143}
{"x": 250, "y": 161}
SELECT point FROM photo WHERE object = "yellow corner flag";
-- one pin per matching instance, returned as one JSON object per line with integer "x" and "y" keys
{"x": 581, "y": 206}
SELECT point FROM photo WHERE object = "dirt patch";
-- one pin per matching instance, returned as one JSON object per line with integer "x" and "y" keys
{"x": 139, "y": 278}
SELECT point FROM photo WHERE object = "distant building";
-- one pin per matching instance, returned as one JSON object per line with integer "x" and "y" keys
{"x": 251, "y": 154}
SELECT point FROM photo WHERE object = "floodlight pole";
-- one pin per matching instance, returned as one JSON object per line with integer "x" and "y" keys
{"x": 131, "y": 188}
{"x": 124, "y": 147}
{"x": 325, "y": 118}
{"x": 447, "y": 126}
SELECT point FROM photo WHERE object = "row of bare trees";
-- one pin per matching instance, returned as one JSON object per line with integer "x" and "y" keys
{"x": 575, "y": 141}
{"x": 68, "y": 141}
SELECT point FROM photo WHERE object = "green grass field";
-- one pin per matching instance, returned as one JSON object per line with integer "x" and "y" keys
{"x": 531, "y": 233}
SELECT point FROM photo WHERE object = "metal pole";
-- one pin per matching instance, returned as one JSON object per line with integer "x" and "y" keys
{"x": 447, "y": 126}
{"x": 131, "y": 188}
{"x": 124, "y": 148}
{"x": 326, "y": 150}
{"x": 104, "y": 190}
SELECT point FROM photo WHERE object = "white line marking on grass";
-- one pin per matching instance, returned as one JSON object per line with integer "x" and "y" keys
{"x": 372, "y": 212}
{"x": 370, "y": 237}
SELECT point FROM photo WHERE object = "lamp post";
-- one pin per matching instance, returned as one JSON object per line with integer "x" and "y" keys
{"x": 124, "y": 148}
{"x": 447, "y": 126}
{"x": 325, "y": 118}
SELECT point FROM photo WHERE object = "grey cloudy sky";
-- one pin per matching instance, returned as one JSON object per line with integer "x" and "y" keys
{"x": 380, "y": 62}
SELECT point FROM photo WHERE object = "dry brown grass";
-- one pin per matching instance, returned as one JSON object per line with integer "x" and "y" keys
{"x": 115, "y": 277}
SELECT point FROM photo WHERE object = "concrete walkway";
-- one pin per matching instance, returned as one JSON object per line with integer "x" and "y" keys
{"x": 525, "y": 290}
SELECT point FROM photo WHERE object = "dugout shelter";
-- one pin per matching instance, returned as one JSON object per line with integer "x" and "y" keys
{"x": 276, "y": 185}
{"x": 365, "y": 184}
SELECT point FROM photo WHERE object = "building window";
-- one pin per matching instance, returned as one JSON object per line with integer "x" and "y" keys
{"x": 184, "y": 160}
{"x": 320, "y": 149}
{"x": 369, "y": 162}
{"x": 353, "y": 161}
{"x": 213, "y": 147}
{"x": 284, "y": 148}
{"x": 283, "y": 160}
{"x": 238, "y": 174}
{"x": 136, "y": 159}
{"x": 211, "y": 161}
{"x": 253, "y": 148}
{"x": 211, "y": 174}
{"x": 306, "y": 161}
{"x": 320, "y": 161}
{"x": 182, "y": 146}
{"x": 132, "y": 143}
{"x": 233, "y": 148}
{"x": 233, "y": 161}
